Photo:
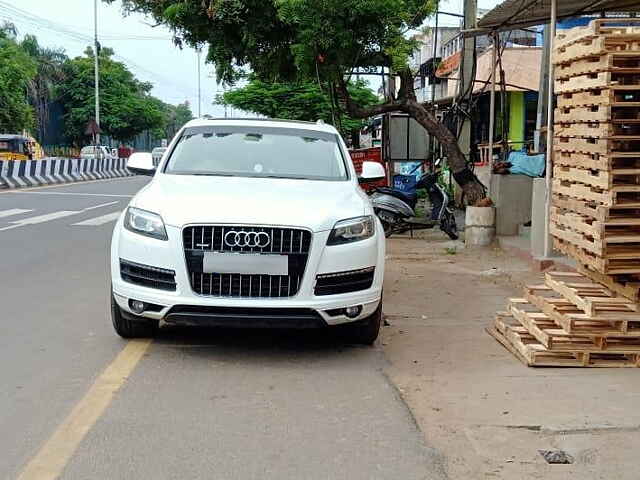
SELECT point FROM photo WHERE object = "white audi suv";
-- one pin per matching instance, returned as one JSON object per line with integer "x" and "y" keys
{"x": 250, "y": 223}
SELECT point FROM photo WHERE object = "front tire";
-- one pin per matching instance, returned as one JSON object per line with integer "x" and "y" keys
{"x": 366, "y": 331}
{"x": 131, "y": 329}
{"x": 448, "y": 224}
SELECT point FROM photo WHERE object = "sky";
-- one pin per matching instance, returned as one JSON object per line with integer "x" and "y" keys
{"x": 148, "y": 51}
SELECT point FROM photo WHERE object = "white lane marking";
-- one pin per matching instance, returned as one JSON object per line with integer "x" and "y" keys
{"x": 93, "y": 222}
{"x": 100, "y": 206}
{"x": 74, "y": 194}
{"x": 49, "y": 216}
{"x": 45, "y": 218}
{"x": 13, "y": 211}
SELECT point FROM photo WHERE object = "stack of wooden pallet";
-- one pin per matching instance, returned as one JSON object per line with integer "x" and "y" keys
{"x": 589, "y": 318}
{"x": 570, "y": 321}
{"x": 595, "y": 215}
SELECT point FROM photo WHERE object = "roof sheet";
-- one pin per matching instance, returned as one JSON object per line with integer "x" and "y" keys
{"x": 512, "y": 14}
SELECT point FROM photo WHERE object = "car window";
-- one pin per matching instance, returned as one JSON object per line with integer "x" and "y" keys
{"x": 258, "y": 152}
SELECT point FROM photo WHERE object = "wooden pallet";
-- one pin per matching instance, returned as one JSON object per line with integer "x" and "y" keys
{"x": 628, "y": 130}
{"x": 554, "y": 338}
{"x": 626, "y": 285}
{"x": 601, "y": 213}
{"x": 617, "y": 97}
{"x": 591, "y": 297}
{"x": 620, "y": 260}
{"x": 594, "y": 161}
{"x": 598, "y": 45}
{"x": 601, "y": 146}
{"x": 612, "y": 231}
{"x": 528, "y": 350}
{"x": 600, "y": 80}
{"x": 620, "y": 62}
{"x": 597, "y": 28}
{"x": 604, "y": 179}
{"x": 596, "y": 113}
{"x": 619, "y": 245}
{"x": 617, "y": 196}
{"x": 608, "y": 323}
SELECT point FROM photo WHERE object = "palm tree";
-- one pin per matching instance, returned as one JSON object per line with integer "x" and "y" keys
{"x": 50, "y": 72}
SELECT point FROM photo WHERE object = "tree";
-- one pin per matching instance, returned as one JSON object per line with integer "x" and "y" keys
{"x": 49, "y": 74}
{"x": 293, "y": 40}
{"x": 17, "y": 70}
{"x": 298, "y": 101}
{"x": 175, "y": 117}
{"x": 126, "y": 108}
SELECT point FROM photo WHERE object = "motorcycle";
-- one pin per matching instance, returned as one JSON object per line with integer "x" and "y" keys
{"x": 396, "y": 208}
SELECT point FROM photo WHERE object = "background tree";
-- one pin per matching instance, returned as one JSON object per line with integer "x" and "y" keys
{"x": 126, "y": 108}
{"x": 299, "y": 101}
{"x": 17, "y": 70}
{"x": 49, "y": 73}
{"x": 293, "y": 40}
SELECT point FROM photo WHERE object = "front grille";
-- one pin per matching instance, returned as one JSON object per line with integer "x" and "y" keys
{"x": 147, "y": 276}
{"x": 295, "y": 243}
{"x": 344, "y": 282}
{"x": 251, "y": 317}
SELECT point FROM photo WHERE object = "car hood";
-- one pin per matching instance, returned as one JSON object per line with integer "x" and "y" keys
{"x": 188, "y": 199}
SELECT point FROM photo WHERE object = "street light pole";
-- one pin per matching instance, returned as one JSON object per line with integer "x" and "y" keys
{"x": 97, "y": 74}
{"x": 199, "y": 94}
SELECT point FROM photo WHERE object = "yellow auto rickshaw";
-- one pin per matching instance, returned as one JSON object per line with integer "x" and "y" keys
{"x": 16, "y": 147}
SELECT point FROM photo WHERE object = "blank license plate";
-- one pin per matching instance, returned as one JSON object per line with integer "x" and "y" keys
{"x": 245, "y": 263}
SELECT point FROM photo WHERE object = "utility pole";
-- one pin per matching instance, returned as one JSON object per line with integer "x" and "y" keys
{"x": 199, "y": 92}
{"x": 97, "y": 73}
{"x": 467, "y": 77}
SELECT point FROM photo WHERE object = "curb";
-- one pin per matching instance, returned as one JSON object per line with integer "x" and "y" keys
{"x": 52, "y": 170}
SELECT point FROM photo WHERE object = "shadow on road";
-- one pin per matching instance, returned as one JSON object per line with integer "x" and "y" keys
{"x": 269, "y": 343}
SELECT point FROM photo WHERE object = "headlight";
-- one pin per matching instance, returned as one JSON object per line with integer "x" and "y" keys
{"x": 145, "y": 223}
{"x": 352, "y": 230}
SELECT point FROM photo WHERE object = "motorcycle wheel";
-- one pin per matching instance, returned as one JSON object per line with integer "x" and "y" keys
{"x": 448, "y": 225}
{"x": 387, "y": 227}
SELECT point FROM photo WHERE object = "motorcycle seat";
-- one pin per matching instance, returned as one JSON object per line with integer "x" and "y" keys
{"x": 409, "y": 198}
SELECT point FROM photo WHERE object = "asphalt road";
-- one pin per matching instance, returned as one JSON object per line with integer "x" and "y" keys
{"x": 78, "y": 402}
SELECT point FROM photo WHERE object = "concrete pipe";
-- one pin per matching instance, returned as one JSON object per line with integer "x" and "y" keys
{"x": 480, "y": 226}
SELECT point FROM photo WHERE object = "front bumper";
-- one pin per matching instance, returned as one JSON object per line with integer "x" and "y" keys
{"x": 322, "y": 259}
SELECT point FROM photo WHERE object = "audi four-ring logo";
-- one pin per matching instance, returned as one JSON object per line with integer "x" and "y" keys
{"x": 246, "y": 239}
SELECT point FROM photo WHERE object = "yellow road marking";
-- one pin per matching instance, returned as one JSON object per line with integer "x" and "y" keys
{"x": 50, "y": 461}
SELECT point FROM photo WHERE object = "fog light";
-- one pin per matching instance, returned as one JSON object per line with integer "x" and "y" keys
{"x": 137, "y": 306}
{"x": 353, "y": 312}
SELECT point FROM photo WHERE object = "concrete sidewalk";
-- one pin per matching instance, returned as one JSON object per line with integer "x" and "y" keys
{"x": 483, "y": 410}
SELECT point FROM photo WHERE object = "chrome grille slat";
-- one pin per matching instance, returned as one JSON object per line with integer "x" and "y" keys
{"x": 293, "y": 242}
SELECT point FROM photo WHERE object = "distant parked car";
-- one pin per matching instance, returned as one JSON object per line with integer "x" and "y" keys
{"x": 89, "y": 152}
{"x": 156, "y": 154}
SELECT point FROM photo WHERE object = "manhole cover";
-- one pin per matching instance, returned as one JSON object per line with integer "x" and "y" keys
{"x": 556, "y": 457}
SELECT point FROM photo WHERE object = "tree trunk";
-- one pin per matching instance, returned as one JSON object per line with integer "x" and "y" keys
{"x": 407, "y": 103}
{"x": 471, "y": 186}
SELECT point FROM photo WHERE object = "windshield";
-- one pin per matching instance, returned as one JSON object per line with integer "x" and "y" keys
{"x": 258, "y": 152}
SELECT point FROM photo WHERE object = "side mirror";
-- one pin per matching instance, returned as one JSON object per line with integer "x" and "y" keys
{"x": 141, "y": 163}
{"x": 371, "y": 172}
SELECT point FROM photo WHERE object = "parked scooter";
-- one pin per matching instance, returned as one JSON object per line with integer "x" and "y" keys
{"x": 396, "y": 208}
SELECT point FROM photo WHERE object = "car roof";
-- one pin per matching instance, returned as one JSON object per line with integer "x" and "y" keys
{"x": 263, "y": 122}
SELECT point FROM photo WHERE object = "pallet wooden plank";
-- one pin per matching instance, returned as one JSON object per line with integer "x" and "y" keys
{"x": 592, "y": 145}
{"x": 599, "y": 80}
{"x": 616, "y": 97}
{"x": 526, "y": 348}
{"x": 600, "y": 45}
{"x": 618, "y": 264}
{"x": 596, "y": 28}
{"x": 625, "y": 287}
{"x": 586, "y": 295}
{"x": 627, "y": 62}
